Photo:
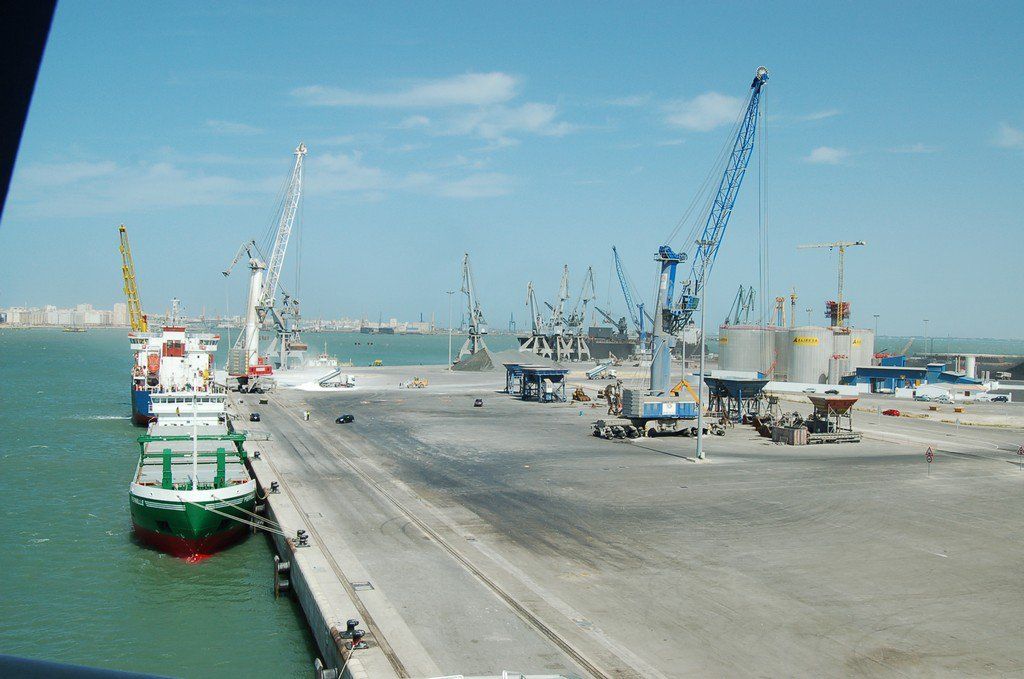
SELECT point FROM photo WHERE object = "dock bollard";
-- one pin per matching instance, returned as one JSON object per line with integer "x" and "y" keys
{"x": 275, "y": 487}
{"x": 357, "y": 642}
{"x": 350, "y": 629}
{"x": 301, "y": 538}
{"x": 255, "y": 454}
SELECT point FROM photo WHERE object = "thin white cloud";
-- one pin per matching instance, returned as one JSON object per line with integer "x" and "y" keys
{"x": 106, "y": 187}
{"x": 827, "y": 155}
{"x": 61, "y": 174}
{"x": 414, "y": 121}
{"x": 227, "y": 127}
{"x": 469, "y": 89}
{"x": 1009, "y": 137}
{"x": 483, "y": 185}
{"x": 819, "y": 115}
{"x": 343, "y": 173}
{"x": 917, "y": 148}
{"x": 110, "y": 187}
{"x": 704, "y": 112}
{"x": 631, "y": 101}
{"x": 498, "y": 123}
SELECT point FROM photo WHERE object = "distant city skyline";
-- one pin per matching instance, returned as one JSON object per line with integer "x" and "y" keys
{"x": 435, "y": 130}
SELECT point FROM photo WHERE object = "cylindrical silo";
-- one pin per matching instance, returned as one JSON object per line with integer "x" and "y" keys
{"x": 779, "y": 353}
{"x": 862, "y": 347}
{"x": 810, "y": 348}
{"x": 740, "y": 347}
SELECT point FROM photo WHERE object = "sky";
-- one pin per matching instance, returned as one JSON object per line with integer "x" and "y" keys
{"x": 530, "y": 135}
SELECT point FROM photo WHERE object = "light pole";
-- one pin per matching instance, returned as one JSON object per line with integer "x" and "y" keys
{"x": 700, "y": 376}
{"x": 809, "y": 315}
{"x": 926, "y": 339}
{"x": 876, "y": 326}
{"x": 450, "y": 293}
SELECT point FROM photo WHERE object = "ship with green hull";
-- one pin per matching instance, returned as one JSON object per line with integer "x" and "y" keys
{"x": 192, "y": 494}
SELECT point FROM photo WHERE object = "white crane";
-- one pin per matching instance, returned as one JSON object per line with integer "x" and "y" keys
{"x": 537, "y": 342}
{"x": 477, "y": 325}
{"x": 244, "y": 357}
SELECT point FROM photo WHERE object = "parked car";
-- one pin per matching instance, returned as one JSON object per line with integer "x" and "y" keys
{"x": 254, "y": 417}
{"x": 1000, "y": 398}
{"x": 891, "y": 412}
{"x": 345, "y": 419}
{"x": 832, "y": 391}
{"x": 479, "y": 403}
{"x": 810, "y": 390}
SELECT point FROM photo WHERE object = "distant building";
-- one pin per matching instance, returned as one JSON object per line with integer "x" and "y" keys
{"x": 120, "y": 314}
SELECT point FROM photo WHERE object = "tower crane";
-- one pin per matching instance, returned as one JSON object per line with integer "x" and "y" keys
{"x": 537, "y": 342}
{"x": 244, "y": 358}
{"x": 838, "y": 313}
{"x": 137, "y": 320}
{"x": 673, "y": 315}
{"x": 477, "y": 326}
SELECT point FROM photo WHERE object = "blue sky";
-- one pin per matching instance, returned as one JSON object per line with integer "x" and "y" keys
{"x": 530, "y": 135}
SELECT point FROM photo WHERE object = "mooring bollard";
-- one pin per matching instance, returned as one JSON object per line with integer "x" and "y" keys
{"x": 275, "y": 487}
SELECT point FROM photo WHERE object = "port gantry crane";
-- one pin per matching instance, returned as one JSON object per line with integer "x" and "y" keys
{"x": 244, "y": 360}
{"x": 742, "y": 306}
{"x": 537, "y": 342}
{"x": 838, "y": 312}
{"x": 635, "y": 309}
{"x": 672, "y": 315}
{"x": 136, "y": 318}
{"x": 477, "y": 326}
{"x": 575, "y": 342}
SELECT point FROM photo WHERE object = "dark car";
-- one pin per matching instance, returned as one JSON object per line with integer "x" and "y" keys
{"x": 254, "y": 417}
{"x": 345, "y": 419}
{"x": 479, "y": 403}
{"x": 1000, "y": 398}
{"x": 831, "y": 391}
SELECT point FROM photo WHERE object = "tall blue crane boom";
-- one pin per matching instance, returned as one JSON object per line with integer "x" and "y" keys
{"x": 631, "y": 307}
{"x": 671, "y": 317}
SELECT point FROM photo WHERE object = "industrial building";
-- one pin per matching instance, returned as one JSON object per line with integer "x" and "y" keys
{"x": 895, "y": 374}
{"x": 807, "y": 354}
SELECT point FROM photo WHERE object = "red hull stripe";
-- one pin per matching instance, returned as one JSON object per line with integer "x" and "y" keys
{"x": 186, "y": 548}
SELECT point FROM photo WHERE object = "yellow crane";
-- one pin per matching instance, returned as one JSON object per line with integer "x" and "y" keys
{"x": 841, "y": 246}
{"x": 136, "y": 318}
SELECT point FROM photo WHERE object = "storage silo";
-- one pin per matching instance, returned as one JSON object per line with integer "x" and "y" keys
{"x": 862, "y": 347}
{"x": 810, "y": 348}
{"x": 778, "y": 353}
{"x": 743, "y": 347}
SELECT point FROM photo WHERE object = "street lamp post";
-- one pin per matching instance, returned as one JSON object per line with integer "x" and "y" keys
{"x": 809, "y": 315}
{"x": 450, "y": 293}
{"x": 927, "y": 340}
{"x": 700, "y": 377}
{"x": 876, "y": 326}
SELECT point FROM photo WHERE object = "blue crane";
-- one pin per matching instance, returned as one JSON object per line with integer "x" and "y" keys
{"x": 672, "y": 316}
{"x": 634, "y": 309}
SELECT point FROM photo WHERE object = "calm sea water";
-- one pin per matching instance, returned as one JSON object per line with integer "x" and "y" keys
{"x": 77, "y": 588}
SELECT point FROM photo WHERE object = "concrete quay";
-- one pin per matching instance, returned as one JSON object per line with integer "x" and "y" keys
{"x": 508, "y": 538}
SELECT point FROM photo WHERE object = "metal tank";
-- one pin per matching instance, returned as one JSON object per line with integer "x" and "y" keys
{"x": 779, "y": 354}
{"x": 862, "y": 347}
{"x": 745, "y": 347}
{"x": 810, "y": 348}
